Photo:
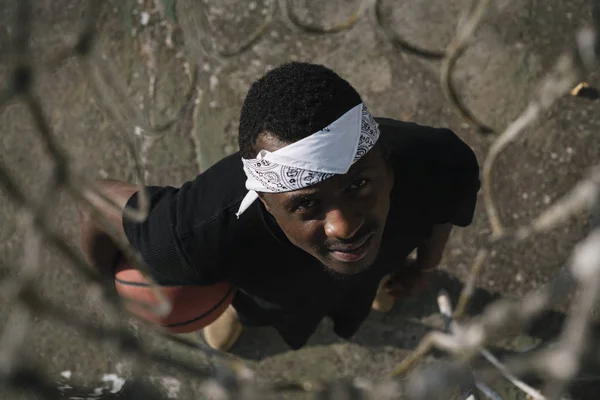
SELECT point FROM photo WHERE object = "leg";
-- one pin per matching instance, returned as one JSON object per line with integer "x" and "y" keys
{"x": 408, "y": 281}
{"x": 223, "y": 333}
{"x": 383, "y": 301}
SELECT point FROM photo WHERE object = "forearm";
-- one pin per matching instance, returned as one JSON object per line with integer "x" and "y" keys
{"x": 430, "y": 251}
{"x": 98, "y": 247}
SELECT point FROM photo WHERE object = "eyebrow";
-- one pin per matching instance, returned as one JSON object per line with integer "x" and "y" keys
{"x": 294, "y": 198}
{"x": 361, "y": 170}
{"x": 308, "y": 193}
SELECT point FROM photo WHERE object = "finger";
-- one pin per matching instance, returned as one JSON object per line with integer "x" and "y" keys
{"x": 385, "y": 281}
{"x": 396, "y": 291}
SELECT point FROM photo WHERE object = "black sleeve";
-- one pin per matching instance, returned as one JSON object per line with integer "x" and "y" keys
{"x": 439, "y": 171}
{"x": 458, "y": 181}
{"x": 157, "y": 241}
{"x": 187, "y": 237}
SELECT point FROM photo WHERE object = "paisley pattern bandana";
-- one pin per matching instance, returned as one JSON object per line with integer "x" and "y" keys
{"x": 311, "y": 160}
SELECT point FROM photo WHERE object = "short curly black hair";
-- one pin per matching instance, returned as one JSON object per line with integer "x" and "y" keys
{"x": 291, "y": 102}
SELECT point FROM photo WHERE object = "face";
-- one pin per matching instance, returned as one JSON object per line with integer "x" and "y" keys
{"x": 339, "y": 221}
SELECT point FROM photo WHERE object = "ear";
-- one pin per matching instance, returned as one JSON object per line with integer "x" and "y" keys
{"x": 391, "y": 176}
{"x": 261, "y": 197}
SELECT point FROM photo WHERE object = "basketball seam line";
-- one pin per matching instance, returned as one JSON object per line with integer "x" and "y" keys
{"x": 176, "y": 324}
{"x": 140, "y": 284}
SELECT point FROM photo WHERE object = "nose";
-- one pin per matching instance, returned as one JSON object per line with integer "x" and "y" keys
{"x": 343, "y": 224}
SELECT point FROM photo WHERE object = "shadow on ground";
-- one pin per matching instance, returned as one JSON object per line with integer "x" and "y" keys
{"x": 403, "y": 327}
{"x": 401, "y": 330}
{"x": 382, "y": 341}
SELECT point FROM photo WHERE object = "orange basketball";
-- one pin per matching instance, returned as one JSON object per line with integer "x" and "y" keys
{"x": 193, "y": 307}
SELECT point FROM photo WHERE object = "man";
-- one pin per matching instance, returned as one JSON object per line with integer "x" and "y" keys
{"x": 321, "y": 205}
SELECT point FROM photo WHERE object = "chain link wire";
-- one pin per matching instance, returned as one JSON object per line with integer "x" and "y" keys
{"x": 228, "y": 377}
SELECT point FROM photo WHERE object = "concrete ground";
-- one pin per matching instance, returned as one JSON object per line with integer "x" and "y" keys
{"x": 515, "y": 46}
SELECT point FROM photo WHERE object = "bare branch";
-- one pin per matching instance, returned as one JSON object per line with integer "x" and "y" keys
{"x": 286, "y": 8}
{"x": 567, "y": 72}
{"x": 463, "y": 338}
{"x": 456, "y": 48}
{"x": 386, "y": 32}
{"x": 467, "y": 292}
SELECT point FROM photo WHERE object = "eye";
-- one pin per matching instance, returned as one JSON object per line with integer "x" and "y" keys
{"x": 306, "y": 204}
{"x": 359, "y": 184}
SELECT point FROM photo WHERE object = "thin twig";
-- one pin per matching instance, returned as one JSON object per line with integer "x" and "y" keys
{"x": 586, "y": 268}
{"x": 455, "y": 49}
{"x": 567, "y": 72}
{"x": 530, "y": 391}
{"x": 389, "y": 34}
{"x": 469, "y": 288}
{"x": 468, "y": 338}
{"x": 286, "y": 8}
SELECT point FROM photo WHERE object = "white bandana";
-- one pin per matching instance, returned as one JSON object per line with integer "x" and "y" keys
{"x": 304, "y": 163}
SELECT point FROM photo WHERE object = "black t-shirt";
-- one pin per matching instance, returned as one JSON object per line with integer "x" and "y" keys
{"x": 193, "y": 237}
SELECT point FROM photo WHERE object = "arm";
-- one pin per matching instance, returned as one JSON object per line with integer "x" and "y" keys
{"x": 182, "y": 241}
{"x": 454, "y": 196}
{"x": 97, "y": 246}
{"x": 413, "y": 277}
{"x": 453, "y": 193}
{"x": 430, "y": 251}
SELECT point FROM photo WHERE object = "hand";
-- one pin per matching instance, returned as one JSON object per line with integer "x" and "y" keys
{"x": 407, "y": 281}
{"x": 99, "y": 248}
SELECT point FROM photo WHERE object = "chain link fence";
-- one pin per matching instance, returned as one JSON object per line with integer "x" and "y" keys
{"x": 465, "y": 337}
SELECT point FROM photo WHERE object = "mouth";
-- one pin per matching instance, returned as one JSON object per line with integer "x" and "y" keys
{"x": 354, "y": 252}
